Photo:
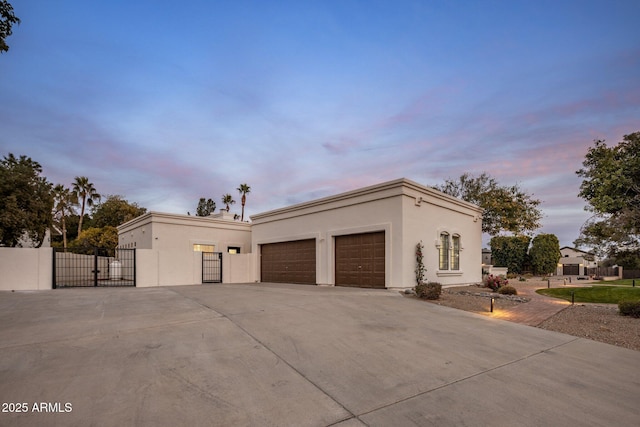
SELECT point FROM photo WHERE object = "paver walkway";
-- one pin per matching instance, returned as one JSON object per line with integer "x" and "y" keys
{"x": 539, "y": 308}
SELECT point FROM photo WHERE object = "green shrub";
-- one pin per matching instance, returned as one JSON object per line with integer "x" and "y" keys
{"x": 429, "y": 290}
{"x": 494, "y": 282}
{"x": 507, "y": 290}
{"x": 629, "y": 308}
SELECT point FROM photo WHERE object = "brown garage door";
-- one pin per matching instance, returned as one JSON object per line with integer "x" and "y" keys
{"x": 289, "y": 262}
{"x": 360, "y": 260}
{"x": 571, "y": 269}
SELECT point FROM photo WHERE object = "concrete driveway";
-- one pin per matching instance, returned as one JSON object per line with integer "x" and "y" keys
{"x": 292, "y": 355}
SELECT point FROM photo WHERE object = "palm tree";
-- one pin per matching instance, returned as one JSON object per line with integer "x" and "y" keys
{"x": 227, "y": 199}
{"x": 87, "y": 192}
{"x": 244, "y": 189}
{"x": 64, "y": 199}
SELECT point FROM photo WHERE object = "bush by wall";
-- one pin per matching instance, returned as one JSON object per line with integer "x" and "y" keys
{"x": 429, "y": 290}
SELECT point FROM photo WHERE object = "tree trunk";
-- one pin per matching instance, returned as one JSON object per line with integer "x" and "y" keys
{"x": 81, "y": 216}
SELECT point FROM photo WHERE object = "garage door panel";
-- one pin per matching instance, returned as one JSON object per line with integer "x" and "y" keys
{"x": 360, "y": 260}
{"x": 289, "y": 262}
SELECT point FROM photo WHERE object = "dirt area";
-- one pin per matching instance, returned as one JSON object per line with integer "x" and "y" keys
{"x": 599, "y": 322}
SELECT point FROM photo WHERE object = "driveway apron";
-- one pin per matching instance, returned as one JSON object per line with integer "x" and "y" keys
{"x": 267, "y": 354}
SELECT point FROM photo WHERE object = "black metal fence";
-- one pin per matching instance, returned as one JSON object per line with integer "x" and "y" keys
{"x": 93, "y": 267}
{"x": 211, "y": 267}
{"x": 603, "y": 271}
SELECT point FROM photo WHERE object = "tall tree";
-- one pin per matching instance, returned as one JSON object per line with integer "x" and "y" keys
{"x": 87, "y": 193}
{"x": 244, "y": 189}
{"x": 506, "y": 208}
{"x": 103, "y": 237}
{"x": 26, "y": 201}
{"x": 227, "y": 199}
{"x": 510, "y": 252}
{"x": 64, "y": 201}
{"x": 7, "y": 20}
{"x": 205, "y": 207}
{"x": 544, "y": 253}
{"x": 115, "y": 211}
{"x": 611, "y": 187}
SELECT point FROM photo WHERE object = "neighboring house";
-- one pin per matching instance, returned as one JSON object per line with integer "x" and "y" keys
{"x": 26, "y": 242}
{"x": 574, "y": 262}
{"x": 365, "y": 238}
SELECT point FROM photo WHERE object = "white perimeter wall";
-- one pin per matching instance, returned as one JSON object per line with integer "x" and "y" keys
{"x": 26, "y": 269}
{"x": 179, "y": 267}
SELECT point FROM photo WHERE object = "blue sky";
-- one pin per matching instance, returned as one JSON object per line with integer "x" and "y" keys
{"x": 165, "y": 102}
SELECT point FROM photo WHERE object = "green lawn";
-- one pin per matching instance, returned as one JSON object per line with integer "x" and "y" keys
{"x": 621, "y": 282}
{"x": 595, "y": 294}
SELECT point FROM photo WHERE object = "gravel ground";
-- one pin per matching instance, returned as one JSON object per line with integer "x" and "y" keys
{"x": 598, "y": 322}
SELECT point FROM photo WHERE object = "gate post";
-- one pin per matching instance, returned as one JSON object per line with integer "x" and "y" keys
{"x": 95, "y": 266}
{"x": 220, "y": 258}
{"x": 54, "y": 269}
{"x": 134, "y": 267}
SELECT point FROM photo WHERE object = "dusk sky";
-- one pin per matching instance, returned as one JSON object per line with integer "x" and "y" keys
{"x": 164, "y": 102}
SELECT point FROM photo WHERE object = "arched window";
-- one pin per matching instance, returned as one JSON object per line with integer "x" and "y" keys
{"x": 443, "y": 252}
{"x": 455, "y": 252}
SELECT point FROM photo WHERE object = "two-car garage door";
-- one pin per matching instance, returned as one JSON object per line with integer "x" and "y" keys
{"x": 289, "y": 262}
{"x": 359, "y": 261}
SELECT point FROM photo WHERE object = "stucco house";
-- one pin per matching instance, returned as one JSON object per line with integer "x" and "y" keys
{"x": 575, "y": 262}
{"x": 163, "y": 231}
{"x": 364, "y": 238}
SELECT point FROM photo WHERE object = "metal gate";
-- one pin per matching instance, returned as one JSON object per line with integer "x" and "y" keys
{"x": 86, "y": 267}
{"x": 211, "y": 267}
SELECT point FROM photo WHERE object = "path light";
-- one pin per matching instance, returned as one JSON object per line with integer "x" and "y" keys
{"x": 492, "y": 299}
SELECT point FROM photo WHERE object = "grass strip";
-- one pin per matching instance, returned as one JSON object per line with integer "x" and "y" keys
{"x": 595, "y": 294}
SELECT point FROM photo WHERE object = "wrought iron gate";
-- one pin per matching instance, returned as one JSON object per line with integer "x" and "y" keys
{"x": 86, "y": 267}
{"x": 211, "y": 267}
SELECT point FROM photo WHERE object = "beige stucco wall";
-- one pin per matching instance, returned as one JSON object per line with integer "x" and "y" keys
{"x": 180, "y": 267}
{"x": 406, "y": 211}
{"x": 425, "y": 216}
{"x": 332, "y": 220}
{"x": 163, "y": 231}
{"x": 26, "y": 269}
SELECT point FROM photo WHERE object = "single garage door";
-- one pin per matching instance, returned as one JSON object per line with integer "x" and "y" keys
{"x": 360, "y": 260}
{"x": 289, "y": 262}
